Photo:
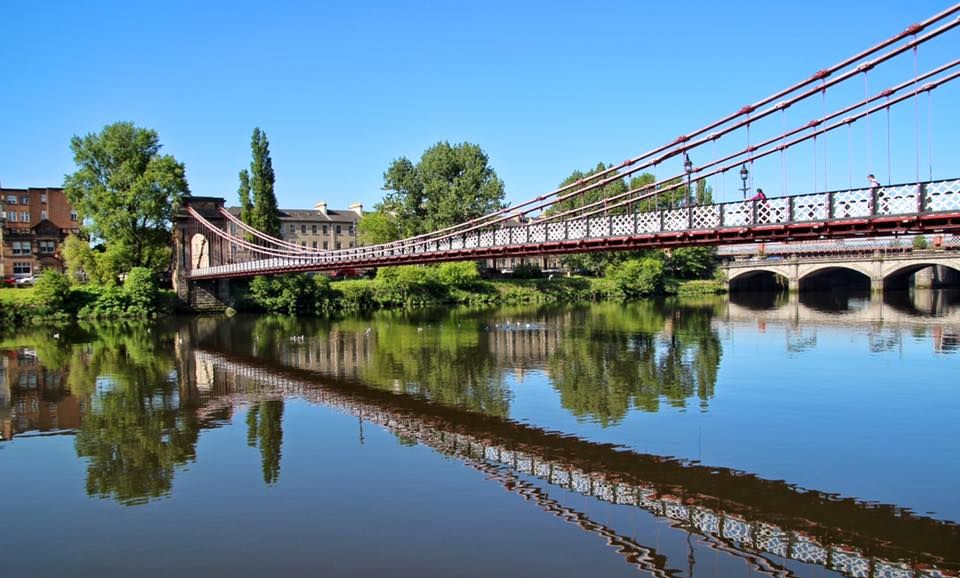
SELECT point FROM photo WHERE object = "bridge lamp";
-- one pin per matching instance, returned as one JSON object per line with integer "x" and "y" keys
{"x": 744, "y": 175}
{"x": 688, "y": 168}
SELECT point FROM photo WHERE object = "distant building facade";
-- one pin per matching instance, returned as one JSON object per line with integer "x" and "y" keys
{"x": 317, "y": 228}
{"x": 34, "y": 222}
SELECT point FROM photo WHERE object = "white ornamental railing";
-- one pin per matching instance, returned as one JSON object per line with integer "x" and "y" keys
{"x": 898, "y": 200}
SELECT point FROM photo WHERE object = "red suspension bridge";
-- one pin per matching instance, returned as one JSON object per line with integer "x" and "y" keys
{"x": 211, "y": 243}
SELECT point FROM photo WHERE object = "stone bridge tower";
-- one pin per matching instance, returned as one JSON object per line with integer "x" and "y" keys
{"x": 194, "y": 246}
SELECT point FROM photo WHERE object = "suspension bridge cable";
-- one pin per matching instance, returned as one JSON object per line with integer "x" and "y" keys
{"x": 680, "y": 144}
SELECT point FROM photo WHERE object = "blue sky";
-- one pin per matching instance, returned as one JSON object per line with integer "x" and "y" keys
{"x": 343, "y": 88}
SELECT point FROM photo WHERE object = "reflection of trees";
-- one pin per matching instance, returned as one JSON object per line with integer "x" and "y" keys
{"x": 633, "y": 356}
{"x": 133, "y": 441}
{"x": 133, "y": 433}
{"x": 442, "y": 355}
{"x": 265, "y": 429}
{"x": 445, "y": 360}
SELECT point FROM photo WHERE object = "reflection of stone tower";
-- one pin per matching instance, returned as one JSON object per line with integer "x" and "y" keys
{"x": 6, "y": 425}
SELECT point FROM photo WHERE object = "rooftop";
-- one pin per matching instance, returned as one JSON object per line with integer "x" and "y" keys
{"x": 316, "y": 215}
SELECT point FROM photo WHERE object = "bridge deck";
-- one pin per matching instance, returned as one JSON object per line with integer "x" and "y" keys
{"x": 925, "y": 207}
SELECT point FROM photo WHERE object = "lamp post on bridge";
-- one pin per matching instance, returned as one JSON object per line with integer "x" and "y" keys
{"x": 688, "y": 168}
{"x": 744, "y": 175}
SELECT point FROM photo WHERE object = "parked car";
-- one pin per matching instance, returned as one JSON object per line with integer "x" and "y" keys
{"x": 26, "y": 281}
{"x": 8, "y": 282}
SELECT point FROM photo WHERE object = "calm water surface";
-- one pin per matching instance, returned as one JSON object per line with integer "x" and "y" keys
{"x": 761, "y": 435}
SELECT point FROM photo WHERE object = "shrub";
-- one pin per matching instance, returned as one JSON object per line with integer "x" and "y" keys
{"x": 140, "y": 288}
{"x": 920, "y": 242}
{"x": 637, "y": 277}
{"x": 110, "y": 302}
{"x": 406, "y": 285}
{"x": 52, "y": 291}
{"x": 290, "y": 294}
{"x": 701, "y": 287}
{"x": 460, "y": 274}
{"x": 355, "y": 293}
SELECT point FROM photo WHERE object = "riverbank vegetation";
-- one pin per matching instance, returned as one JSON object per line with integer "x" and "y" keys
{"x": 55, "y": 300}
{"x": 461, "y": 283}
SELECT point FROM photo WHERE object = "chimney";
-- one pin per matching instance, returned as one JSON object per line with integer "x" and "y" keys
{"x": 357, "y": 208}
{"x": 321, "y": 206}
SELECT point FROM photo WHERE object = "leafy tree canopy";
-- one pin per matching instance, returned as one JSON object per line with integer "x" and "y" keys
{"x": 127, "y": 192}
{"x": 378, "y": 227}
{"x": 450, "y": 184}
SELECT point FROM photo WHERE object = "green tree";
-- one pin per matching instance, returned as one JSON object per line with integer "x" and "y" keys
{"x": 127, "y": 192}
{"x": 264, "y": 214}
{"x": 81, "y": 261}
{"x": 52, "y": 290}
{"x": 450, "y": 184}
{"x": 378, "y": 227}
{"x": 692, "y": 262}
{"x": 246, "y": 205}
{"x": 637, "y": 277}
{"x": 586, "y": 179}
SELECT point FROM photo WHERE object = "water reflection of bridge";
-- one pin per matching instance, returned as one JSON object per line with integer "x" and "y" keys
{"x": 764, "y": 522}
{"x": 884, "y": 317}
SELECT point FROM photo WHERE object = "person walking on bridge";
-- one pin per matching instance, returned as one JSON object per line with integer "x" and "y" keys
{"x": 876, "y": 193}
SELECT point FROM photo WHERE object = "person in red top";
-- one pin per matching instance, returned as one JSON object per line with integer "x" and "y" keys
{"x": 759, "y": 196}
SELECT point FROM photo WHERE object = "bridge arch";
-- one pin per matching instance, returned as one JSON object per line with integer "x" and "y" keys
{"x": 897, "y": 274}
{"x": 199, "y": 251}
{"x": 828, "y": 276}
{"x": 764, "y": 278}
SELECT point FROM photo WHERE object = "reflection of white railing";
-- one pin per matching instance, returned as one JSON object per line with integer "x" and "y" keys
{"x": 899, "y": 200}
{"x": 727, "y": 528}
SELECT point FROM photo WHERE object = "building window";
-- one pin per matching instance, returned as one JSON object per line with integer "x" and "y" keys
{"x": 43, "y": 198}
{"x": 21, "y": 267}
{"x": 338, "y": 245}
{"x": 25, "y": 200}
{"x": 48, "y": 247}
{"x": 313, "y": 229}
{"x": 326, "y": 245}
{"x": 11, "y": 199}
{"x": 339, "y": 230}
{"x": 303, "y": 229}
{"x": 351, "y": 244}
{"x": 314, "y": 244}
{"x": 24, "y": 217}
{"x": 21, "y": 247}
{"x": 324, "y": 229}
{"x": 353, "y": 230}
{"x": 43, "y": 215}
{"x": 293, "y": 228}
{"x": 12, "y": 216}
{"x": 73, "y": 216}
{"x": 303, "y": 244}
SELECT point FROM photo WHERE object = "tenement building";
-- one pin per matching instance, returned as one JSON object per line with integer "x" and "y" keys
{"x": 33, "y": 225}
{"x": 318, "y": 228}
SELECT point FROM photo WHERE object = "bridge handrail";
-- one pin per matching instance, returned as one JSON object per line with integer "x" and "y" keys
{"x": 901, "y": 200}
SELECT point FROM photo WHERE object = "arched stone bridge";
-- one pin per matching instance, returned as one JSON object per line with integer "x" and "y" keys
{"x": 884, "y": 271}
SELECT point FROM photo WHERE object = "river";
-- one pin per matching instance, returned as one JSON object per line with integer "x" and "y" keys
{"x": 762, "y": 434}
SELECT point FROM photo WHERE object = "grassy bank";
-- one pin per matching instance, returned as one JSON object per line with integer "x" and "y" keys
{"x": 54, "y": 300}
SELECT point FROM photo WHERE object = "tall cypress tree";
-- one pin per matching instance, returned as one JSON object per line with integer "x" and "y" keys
{"x": 264, "y": 215}
{"x": 246, "y": 207}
